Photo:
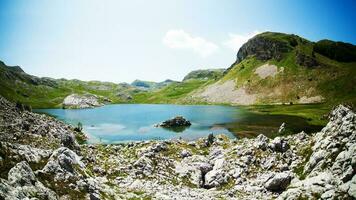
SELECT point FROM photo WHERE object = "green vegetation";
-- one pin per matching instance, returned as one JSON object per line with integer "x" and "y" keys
{"x": 307, "y": 72}
{"x": 20, "y": 87}
{"x": 205, "y": 74}
{"x": 294, "y": 83}
{"x": 173, "y": 93}
{"x": 315, "y": 113}
{"x": 150, "y": 85}
{"x": 339, "y": 51}
{"x": 305, "y": 152}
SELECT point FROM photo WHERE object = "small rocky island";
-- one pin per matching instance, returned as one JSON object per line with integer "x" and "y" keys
{"x": 175, "y": 122}
{"x": 40, "y": 158}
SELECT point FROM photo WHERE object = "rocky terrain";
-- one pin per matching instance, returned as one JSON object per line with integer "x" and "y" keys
{"x": 40, "y": 158}
{"x": 83, "y": 101}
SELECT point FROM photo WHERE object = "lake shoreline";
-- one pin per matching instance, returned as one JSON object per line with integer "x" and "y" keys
{"x": 46, "y": 152}
{"x": 139, "y": 120}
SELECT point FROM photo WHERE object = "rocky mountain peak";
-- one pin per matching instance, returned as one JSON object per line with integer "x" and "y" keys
{"x": 268, "y": 45}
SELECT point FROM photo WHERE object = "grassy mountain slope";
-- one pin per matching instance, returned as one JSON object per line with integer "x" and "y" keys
{"x": 178, "y": 92}
{"x": 16, "y": 85}
{"x": 204, "y": 74}
{"x": 296, "y": 72}
{"x": 150, "y": 85}
{"x": 271, "y": 68}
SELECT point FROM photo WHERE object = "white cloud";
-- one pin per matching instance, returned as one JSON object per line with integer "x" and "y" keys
{"x": 179, "y": 39}
{"x": 237, "y": 40}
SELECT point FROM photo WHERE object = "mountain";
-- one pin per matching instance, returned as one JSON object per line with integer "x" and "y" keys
{"x": 16, "y": 85}
{"x": 271, "y": 68}
{"x": 204, "y": 74}
{"x": 150, "y": 85}
{"x": 278, "y": 68}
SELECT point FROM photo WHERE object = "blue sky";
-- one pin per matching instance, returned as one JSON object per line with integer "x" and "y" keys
{"x": 120, "y": 41}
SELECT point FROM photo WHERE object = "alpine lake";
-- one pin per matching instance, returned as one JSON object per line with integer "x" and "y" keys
{"x": 119, "y": 123}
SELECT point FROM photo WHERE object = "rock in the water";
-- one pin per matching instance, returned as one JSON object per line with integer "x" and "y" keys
{"x": 81, "y": 101}
{"x": 278, "y": 182}
{"x": 178, "y": 121}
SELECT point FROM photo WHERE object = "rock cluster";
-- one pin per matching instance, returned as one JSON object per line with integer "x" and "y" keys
{"x": 36, "y": 130}
{"x": 300, "y": 166}
{"x": 81, "y": 101}
{"x": 178, "y": 121}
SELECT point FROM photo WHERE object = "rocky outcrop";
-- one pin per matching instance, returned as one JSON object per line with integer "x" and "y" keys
{"x": 306, "y": 60}
{"x": 278, "y": 181}
{"x": 23, "y": 184}
{"x": 81, "y": 101}
{"x": 300, "y": 166}
{"x": 175, "y": 122}
{"x": 35, "y": 130}
{"x": 330, "y": 171}
{"x": 264, "y": 48}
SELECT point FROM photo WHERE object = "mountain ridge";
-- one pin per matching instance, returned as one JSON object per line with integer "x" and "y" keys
{"x": 271, "y": 68}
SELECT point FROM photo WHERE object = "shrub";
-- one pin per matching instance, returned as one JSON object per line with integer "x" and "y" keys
{"x": 79, "y": 127}
{"x": 28, "y": 108}
{"x": 210, "y": 139}
{"x": 20, "y": 106}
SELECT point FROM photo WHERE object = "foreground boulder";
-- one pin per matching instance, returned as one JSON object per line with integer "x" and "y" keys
{"x": 23, "y": 184}
{"x": 81, "y": 101}
{"x": 278, "y": 182}
{"x": 64, "y": 165}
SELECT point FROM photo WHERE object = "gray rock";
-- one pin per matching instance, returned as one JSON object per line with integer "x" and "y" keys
{"x": 64, "y": 165}
{"x": 81, "y": 101}
{"x": 185, "y": 153}
{"x": 23, "y": 184}
{"x": 261, "y": 142}
{"x": 352, "y": 187}
{"x": 144, "y": 166}
{"x": 279, "y": 144}
{"x": 21, "y": 174}
{"x": 278, "y": 182}
{"x": 217, "y": 176}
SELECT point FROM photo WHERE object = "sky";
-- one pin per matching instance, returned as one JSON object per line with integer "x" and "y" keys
{"x": 120, "y": 41}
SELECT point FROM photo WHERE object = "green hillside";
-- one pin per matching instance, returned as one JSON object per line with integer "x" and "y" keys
{"x": 271, "y": 68}
{"x": 16, "y": 85}
{"x": 294, "y": 70}
{"x": 171, "y": 94}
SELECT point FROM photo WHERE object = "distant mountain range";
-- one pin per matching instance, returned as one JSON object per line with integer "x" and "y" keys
{"x": 271, "y": 68}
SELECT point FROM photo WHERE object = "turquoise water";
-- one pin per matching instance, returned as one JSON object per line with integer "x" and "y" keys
{"x": 133, "y": 122}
